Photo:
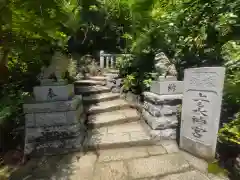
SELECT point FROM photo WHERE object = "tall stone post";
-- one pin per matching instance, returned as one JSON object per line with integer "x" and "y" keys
{"x": 107, "y": 61}
{"x": 112, "y": 62}
{"x": 102, "y": 59}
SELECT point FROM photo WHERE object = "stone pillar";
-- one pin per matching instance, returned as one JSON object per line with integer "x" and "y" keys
{"x": 112, "y": 62}
{"x": 107, "y": 61}
{"x": 161, "y": 106}
{"x": 54, "y": 120}
{"x": 102, "y": 59}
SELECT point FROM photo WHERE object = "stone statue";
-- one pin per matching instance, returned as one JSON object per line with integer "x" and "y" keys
{"x": 163, "y": 65}
{"x": 57, "y": 67}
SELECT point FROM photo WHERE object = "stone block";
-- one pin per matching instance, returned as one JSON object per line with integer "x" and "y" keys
{"x": 165, "y": 134}
{"x": 39, "y": 134}
{"x": 55, "y": 106}
{"x": 54, "y": 118}
{"x": 55, "y": 147}
{"x": 51, "y": 82}
{"x": 168, "y": 78}
{"x": 174, "y": 99}
{"x": 201, "y": 110}
{"x": 164, "y": 122}
{"x": 53, "y": 93}
{"x": 167, "y": 87}
{"x": 160, "y": 110}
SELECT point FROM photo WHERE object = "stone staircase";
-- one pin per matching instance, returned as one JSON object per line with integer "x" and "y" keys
{"x": 112, "y": 122}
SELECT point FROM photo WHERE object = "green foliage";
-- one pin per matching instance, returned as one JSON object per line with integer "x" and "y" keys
{"x": 214, "y": 168}
{"x": 230, "y": 132}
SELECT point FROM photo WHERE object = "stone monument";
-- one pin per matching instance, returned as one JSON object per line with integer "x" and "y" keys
{"x": 54, "y": 120}
{"x": 201, "y": 110}
{"x": 161, "y": 106}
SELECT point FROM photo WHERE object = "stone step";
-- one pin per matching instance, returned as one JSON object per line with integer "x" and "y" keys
{"x": 113, "y": 118}
{"x": 97, "y": 78}
{"x": 116, "y": 136}
{"x": 87, "y": 90}
{"x": 95, "y": 98}
{"x": 88, "y": 82}
{"x": 107, "y": 106}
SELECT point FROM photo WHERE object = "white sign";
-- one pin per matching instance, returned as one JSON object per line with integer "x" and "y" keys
{"x": 201, "y": 110}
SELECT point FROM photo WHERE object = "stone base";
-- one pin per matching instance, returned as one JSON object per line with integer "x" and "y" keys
{"x": 55, "y": 106}
{"x": 55, "y": 118}
{"x": 160, "y": 110}
{"x": 42, "y": 134}
{"x": 53, "y": 93}
{"x": 165, "y": 134}
{"x": 167, "y": 87}
{"x": 155, "y": 99}
{"x": 163, "y": 122}
{"x": 55, "y": 147}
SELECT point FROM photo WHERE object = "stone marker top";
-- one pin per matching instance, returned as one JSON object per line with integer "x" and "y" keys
{"x": 57, "y": 67}
{"x": 205, "y": 78}
{"x": 167, "y": 78}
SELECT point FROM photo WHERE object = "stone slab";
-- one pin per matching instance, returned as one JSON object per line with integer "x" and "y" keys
{"x": 111, "y": 171}
{"x": 122, "y": 154}
{"x": 51, "y": 82}
{"x": 55, "y": 106}
{"x": 167, "y": 87}
{"x": 156, "y": 150}
{"x": 164, "y": 134}
{"x": 156, "y": 166}
{"x": 201, "y": 110}
{"x": 191, "y": 175}
{"x": 53, "y": 93}
{"x": 55, "y": 147}
{"x": 108, "y": 106}
{"x": 100, "y": 97}
{"x": 160, "y": 110}
{"x": 113, "y": 118}
{"x": 54, "y": 118}
{"x": 170, "y": 145}
{"x": 86, "y": 90}
{"x": 88, "y": 82}
{"x": 156, "y": 99}
{"x": 163, "y": 122}
{"x": 44, "y": 134}
{"x": 168, "y": 78}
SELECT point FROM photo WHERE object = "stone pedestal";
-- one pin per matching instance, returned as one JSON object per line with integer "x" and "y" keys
{"x": 54, "y": 121}
{"x": 161, "y": 106}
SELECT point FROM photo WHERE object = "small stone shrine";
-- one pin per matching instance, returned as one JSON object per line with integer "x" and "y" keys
{"x": 54, "y": 120}
{"x": 161, "y": 105}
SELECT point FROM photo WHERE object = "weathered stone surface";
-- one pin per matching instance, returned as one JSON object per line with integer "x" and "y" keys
{"x": 55, "y": 147}
{"x": 54, "y": 118}
{"x": 89, "y": 82}
{"x": 111, "y": 171}
{"x": 156, "y": 150}
{"x": 191, "y": 175}
{"x": 126, "y": 127}
{"x": 53, "y": 93}
{"x": 86, "y": 90}
{"x": 168, "y": 78}
{"x": 167, "y": 87}
{"x": 160, "y": 110}
{"x": 170, "y": 145}
{"x": 108, "y": 106}
{"x": 113, "y": 118}
{"x": 55, "y": 106}
{"x": 156, "y": 99}
{"x": 51, "y": 82}
{"x": 100, "y": 97}
{"x": 165, "y": 134}
{"x": 197, "y": 163}
{"x": 164, "y": 122}
{"x": 52, "y": 133}
{"x": 76, "y": 166}
{"x": 156, "y": 165}
{"x": 122, "y": 154}
{"x": 201, "y": 110}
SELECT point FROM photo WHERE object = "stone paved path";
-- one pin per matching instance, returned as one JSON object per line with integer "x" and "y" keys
{"x": 116, "y": 147}
{"x": 164, "y": 161}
